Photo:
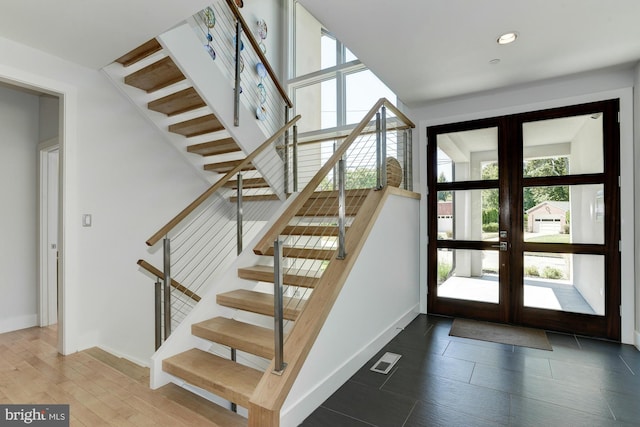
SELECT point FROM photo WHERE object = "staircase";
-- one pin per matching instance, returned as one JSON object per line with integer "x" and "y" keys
{"x": 236, "y": 382}
{"x": 187, "y": 118}
{"x": 240, "y": 321}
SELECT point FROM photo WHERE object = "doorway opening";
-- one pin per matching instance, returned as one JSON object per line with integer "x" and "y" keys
{"x": 527, "y": 220}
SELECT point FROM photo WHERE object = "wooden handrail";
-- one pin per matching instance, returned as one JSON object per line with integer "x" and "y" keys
{"x": 217, "y": 185}
{"x": 156, "y": 272}
{"x": 267, "y": 240}
{"x": 256, "y": 47}
{"x": 272, "y": 390}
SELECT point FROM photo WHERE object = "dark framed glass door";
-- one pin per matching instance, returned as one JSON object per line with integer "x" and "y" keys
{"x": 524, "y": 219}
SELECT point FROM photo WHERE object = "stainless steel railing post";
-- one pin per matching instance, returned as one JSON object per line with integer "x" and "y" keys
{"x": 286, "y": 152}
{"x": 166, "y": 245}
{"x": 378, "y": 152}
{"x": 295, "y": 158}
{"x": 158, "y": 312}
{"x": 236, "y": 100}
{"x": 383, "y": 147}
{"x": 278, "y": 309}
{"x": 341, "y": 209}
{"x": 410, "y": 160}
{"x": 405, "y": 160}
{"x": 239, "y": 214}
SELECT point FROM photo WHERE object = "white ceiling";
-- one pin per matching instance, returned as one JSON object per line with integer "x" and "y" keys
{"x": 422, "y": 49}
{"x": 432, "y": 49}
{"x": 92, "y": 33}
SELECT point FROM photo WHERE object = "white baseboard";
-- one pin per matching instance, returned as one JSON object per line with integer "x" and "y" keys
{"x": 143, "y": 363}
{"x": 314, "y": 398}
{"x": 17, "y": 323}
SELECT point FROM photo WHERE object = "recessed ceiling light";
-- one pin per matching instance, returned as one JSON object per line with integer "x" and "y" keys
{"x": 507, "y": 38}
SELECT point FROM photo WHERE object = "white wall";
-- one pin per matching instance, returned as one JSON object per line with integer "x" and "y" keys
{"x": 380, "y": 296}
{"x": 582, "y": 88}
{"x": 119, "y": 169}
{"x": 18, "y": 215}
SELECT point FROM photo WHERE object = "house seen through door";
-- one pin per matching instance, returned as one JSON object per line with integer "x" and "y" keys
{"x": 524, "y": 220}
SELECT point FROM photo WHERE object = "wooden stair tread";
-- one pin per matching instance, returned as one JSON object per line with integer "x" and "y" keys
{"x": 305, "y": 253}
{"x": 255, "y": 198}
{"x": 224, "y": 167}
{"x": 198, "y": 126}
{"x": 212, "y": 148}
{"x": 248, "y": 183}
{"x": 239, "y": 335}
{"x": 261, "y": 303}
{"x": 215, "y": 413}
{"x": 264, "y": 273}
{"x": 139, "y": 53}
{"x": 225, "y": 378}
{"x": 160, "y": 74}
{"x": 311, "y": 230}
{"x": 325, "y": 203}
{"x": 178, "y": 102}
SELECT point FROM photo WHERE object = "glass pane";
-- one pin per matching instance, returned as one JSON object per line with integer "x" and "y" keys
{"x": 468, "y": 275}
{"x": 363, "y": 90}
{"x": 328, "y": 52}
{"x": 564, "y": 282}
{"x": 308, "y": 46}
{"x": 564, "y": 214}
{"x": 570, "y": 145}
{"x": 468, "y": 155}
{"x": 317, "y": 104}
{"x": 468, "y": 215}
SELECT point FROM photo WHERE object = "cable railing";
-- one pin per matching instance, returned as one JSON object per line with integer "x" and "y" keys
{"x": 206, "y": 236}
{"x": 339, "y": 175}
{"x": 256, "y": 84}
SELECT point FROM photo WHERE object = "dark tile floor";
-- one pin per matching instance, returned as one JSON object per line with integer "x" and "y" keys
{"x": 448, "y": 381}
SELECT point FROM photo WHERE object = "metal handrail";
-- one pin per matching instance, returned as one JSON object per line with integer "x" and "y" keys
{"x": 217, "y": 185}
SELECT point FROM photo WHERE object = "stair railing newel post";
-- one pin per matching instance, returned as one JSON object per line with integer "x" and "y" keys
{"x": 158, "y": 312}
{"x": 239, "y": 214}
{"x": 286, "y": 152}
{"x": 341, "y": 209}
{"x": 409, "y": 155}
{"x": 295, "y": 158}
{"x": 166, "y": 245}
{"x": 238, "y": 89}
{"x": 381, "y": 148}
{"x": 405, "y": 159}
{"x": 278, "y": 309}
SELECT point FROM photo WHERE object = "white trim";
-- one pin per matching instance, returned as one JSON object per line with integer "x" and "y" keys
{"x": 68, "y": 247}
{"x": 44, "y": 150}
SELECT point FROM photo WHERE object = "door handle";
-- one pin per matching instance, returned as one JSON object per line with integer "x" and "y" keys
{"x": 502, "y": 246}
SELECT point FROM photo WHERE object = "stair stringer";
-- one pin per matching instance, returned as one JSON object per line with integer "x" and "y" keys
{"x": 116, "y": 74}
{"x": 217, "y": 91}
{"x": 181, "y": 338}
{"x": 380, "y": 296}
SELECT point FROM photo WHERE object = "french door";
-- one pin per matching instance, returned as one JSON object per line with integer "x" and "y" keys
{"x": 524, "y": 221}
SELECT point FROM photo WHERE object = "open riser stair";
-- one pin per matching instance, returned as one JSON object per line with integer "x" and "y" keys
{"x": 224, "y": 346}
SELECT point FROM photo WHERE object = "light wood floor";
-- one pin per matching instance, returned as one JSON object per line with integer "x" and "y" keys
{"x": 101, "y": 389}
